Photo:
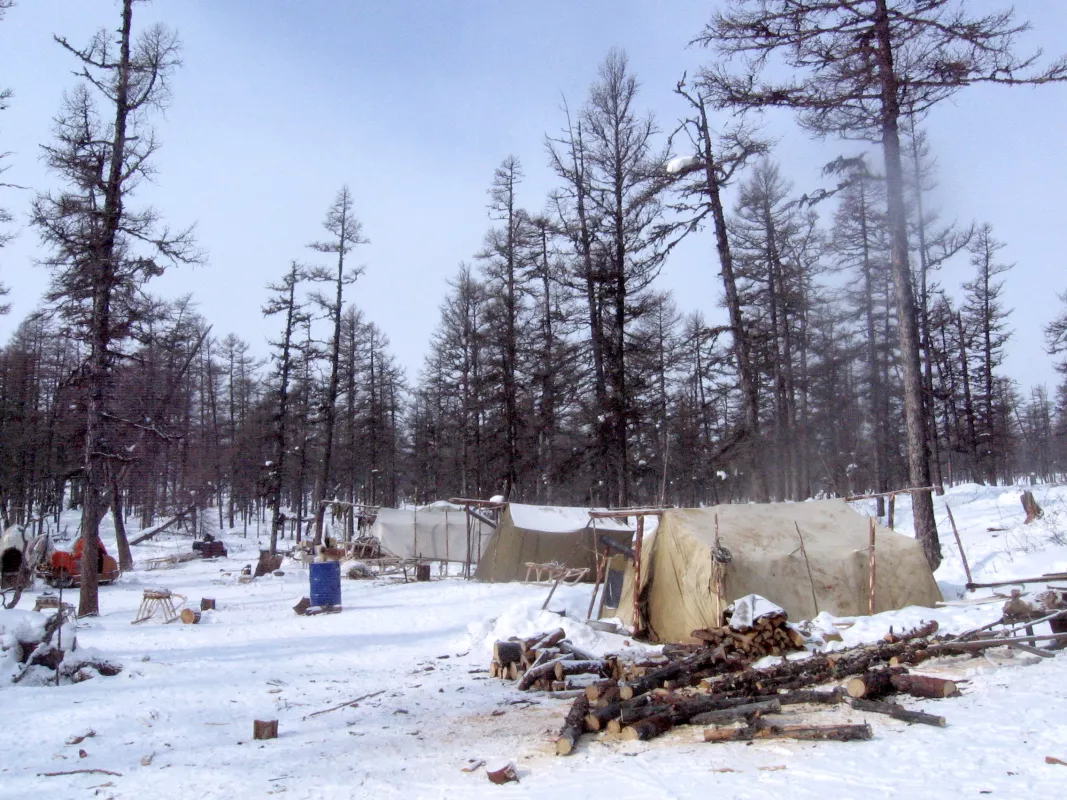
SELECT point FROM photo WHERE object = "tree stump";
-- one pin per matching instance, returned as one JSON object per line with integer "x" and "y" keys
{"x": 502, "y": 774}
{"x": 1030, "y": 506}
{"x": 422, "y": 572}
{"x": 265, "y": 729}
{"x": 207, "y": 604}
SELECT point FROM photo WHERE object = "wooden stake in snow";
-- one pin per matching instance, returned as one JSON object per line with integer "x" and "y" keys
{"x": 959, "y": 544}
{"x": 265, "y": 729}
{"x": 807, "y": 564}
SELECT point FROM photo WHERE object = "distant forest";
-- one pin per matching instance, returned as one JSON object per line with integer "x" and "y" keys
{"x": 559, "y": 371}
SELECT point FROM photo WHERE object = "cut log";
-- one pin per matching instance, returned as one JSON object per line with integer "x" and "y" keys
{"x": 599, "y": 689}
{"x": 549, "y": 639}
{"x": 1030, "y": 506}
{"x": 871, "y": 685}
{"x": 798, "y": 696}
{"x": 727, "y": 715}
{"x": 573, "y": 726}
{"x": 649, "y": 727}
{"x": 207, "y": 603}
{"x": 565, "y": 668}
{"x": 301, "y": 608}
{"x": 925, "y": 686}
{"x": 897, "y": 712}
{"x": 598, "y": 718}
{"x": 502, "y": 774}
{"x": 578, "y": 653}
{"x": 539, "y": 671}
{"x": 190, "y": 617}
{"x": 507, "y": 652}
{"x": 512, "y": 670}
{"x": 656, "y": 678}
{"x": 763, "y": 730}
{"x": 265, "y": 729}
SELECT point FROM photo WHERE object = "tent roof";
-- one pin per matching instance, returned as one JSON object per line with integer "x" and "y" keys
{"x": 561, "y": 519}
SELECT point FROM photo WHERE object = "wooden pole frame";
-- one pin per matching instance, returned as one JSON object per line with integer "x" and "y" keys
{"x": 871, "y": 568}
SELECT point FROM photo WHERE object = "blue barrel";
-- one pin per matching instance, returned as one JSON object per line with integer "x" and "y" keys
{"x": 325, "y": 583}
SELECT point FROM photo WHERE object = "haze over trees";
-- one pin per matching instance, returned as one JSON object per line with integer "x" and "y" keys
{"x": 559, "y": 370}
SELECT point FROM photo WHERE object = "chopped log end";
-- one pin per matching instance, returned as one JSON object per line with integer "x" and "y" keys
{"x": 614, "y": 726}
{"x": 564, "y": 747}
{"x": 503, "y": 774}
{"x": 190, "y": 617}
{"x": 265, "y": 729}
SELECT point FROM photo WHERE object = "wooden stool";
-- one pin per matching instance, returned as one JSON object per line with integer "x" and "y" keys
{"x": 154, "y": 600}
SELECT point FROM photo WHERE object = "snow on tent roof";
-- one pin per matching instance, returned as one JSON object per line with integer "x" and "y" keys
{"x": 561, "y": 519}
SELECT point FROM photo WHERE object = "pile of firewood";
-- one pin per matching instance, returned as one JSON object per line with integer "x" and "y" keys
{"x": 547, "y": 661}
{"x": 770, "y": 635}
{"x": 722, "y": 691}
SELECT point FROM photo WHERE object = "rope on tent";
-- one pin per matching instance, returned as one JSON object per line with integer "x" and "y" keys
{"x": 720, "y": 558}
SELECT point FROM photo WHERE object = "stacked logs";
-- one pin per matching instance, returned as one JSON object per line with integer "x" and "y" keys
{"x": 720, "y": 689}
{"x": 547, "y": 661}
{"x": 770, "y": 635}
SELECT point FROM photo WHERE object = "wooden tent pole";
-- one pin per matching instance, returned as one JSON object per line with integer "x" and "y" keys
{"x": 871, "y": 569}
{"x": 638, "y": 626}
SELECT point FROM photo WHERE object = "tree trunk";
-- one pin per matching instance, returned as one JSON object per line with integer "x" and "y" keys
{"x": 911, "y": 364}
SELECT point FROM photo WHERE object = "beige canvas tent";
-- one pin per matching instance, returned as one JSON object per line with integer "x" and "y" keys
{"x": 685, "y": 587}
{"x": 544, "y": 534}
{"x": 437, "y": 533}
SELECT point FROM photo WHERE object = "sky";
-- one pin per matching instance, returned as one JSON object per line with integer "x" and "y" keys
{"x": 414, "y": 103}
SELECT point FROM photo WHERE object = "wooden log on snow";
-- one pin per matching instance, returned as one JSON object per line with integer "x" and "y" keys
{"x": 548, "y": 640}
{"x": 265, "y": 729}
{"x": 190, "y": 617}
{"x": 207, "y": 603}
{"x": 871, "y": 685}
{"x": 578, "y": 653}
{"x": 535, "y": 673}
{"x": 762, "y": 730}
{"x": 832, "y": 697}
{"x": 598, "y": 718}
{"x": 671, "y": 671}
{"x": 565, "y": 668}
{"x": 573, "y": 726}
{"x": 1030, "y": 506}
{"x": 925, "y": 686}
{"x": 649, "y": 727}
{"x": 897, "y": 712}
{"x": 599, "y": 689}
{"x": 727, "y": 715}
{"x": 507, "y": 652}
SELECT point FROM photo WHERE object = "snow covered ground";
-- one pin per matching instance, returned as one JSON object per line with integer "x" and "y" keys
{"x": 177, "y": 722}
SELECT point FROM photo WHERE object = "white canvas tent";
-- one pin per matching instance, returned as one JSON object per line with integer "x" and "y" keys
{"x": 684, "y": 586}
{"x": 435, "y": 533}
{"x": 545, "y": 534}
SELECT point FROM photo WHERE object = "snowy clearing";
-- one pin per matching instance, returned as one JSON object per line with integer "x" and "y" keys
{"x": 177, "y": 722}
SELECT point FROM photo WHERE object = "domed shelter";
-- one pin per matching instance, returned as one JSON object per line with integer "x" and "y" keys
{"x": 700, "y": 560}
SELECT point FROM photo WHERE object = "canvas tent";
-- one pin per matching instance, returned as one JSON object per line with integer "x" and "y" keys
{"x": 436, "y": 533}
{"x": 544, "y": 534}
{"x": 685, "y": 587}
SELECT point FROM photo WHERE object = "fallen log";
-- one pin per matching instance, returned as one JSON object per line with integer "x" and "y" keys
{"x": 924, "y": 686}
{"x": 598, "y": 718}
{"x": 897, "y": 712}
{"x": 649, "y": 727}
{"x": 797, "y": 696}
{"x": 565, "y": 668}
{"x": 534, "y": 673}
{"x": 762, "y": 730}
{"x": 727, "y": 715}
{"x": 872, "y": 685}
{"x": 578, "y": 653}
{"x": 573, "y": 726}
